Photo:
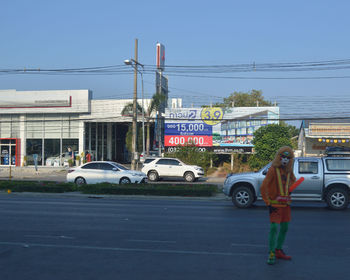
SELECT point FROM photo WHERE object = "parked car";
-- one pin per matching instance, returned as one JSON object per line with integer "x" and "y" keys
{"x": 152, "y": 154}
{"x": 326, "y": 179}
{"x": 57, "y": 161}
{"x": 171, "y": 167}
{"x": 104, "y": 171}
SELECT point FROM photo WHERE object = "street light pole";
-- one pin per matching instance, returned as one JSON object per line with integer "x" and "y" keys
{"x": 134, "y": 63}
{"x": 134, "y": 113}
{"x": 143, "y": 119}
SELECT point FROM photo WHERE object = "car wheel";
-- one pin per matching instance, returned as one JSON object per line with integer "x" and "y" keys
{"x": 80, "y": 181}
{"x": 124, "y": 180}
{"x": 153, "y": 176}
{"x": 189, "y": 176}
{"x": 242, "y": 197}
{"x": 337, "y": 198}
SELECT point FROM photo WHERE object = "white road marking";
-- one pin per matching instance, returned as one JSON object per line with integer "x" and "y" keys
{"x": 151, "y": 241}
{"x": 248, "y": 245}
{"x": 21, "y": 244}
{"x": 50, "y": 236}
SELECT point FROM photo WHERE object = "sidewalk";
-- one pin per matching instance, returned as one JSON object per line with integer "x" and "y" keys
{"x": 29, "y": 173}
{"x": 59, "y": 174}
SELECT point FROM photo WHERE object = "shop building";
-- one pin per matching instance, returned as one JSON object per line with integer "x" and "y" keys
{"x": 52, "y": 126}
{"x": 316, "y": 135}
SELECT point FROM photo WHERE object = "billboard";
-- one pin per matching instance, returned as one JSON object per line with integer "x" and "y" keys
{"x": 160, "y": 57}
{"x": 216, "y": 129}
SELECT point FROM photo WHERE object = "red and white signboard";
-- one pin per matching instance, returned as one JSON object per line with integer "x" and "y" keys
{"x": 198, "y": 140}
{"x": 160, "y": 56}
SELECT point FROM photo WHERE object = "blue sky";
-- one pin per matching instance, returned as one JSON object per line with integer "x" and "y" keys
{"x": 70, "y": 34}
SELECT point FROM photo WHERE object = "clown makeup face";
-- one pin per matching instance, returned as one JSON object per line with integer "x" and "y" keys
{"x": 285, "y": 160}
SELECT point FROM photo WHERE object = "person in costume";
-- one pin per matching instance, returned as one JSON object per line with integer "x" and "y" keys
{"x": 275, "y": 193}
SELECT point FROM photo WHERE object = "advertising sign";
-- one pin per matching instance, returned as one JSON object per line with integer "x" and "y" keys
{"x": 160, "y": 56}
{"x": 188, "y": 129}
{"x": 215, "y": 129}
{"x": 197, "y": 140}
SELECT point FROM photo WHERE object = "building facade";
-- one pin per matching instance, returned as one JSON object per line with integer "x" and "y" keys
{"x": 53, "y": 126}
{"x": 316, "y": 135}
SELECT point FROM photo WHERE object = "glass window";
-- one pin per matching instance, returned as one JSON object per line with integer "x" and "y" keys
{"x": 163, "y": 161}
{"x": 308, "y": 167}
{"x": 122, "y": 167}
{"x": 338, "y": 164}
{"x": 93, "y": 165}
{"x": 173, "y": 162}
{"x": 34, "y": 146}
{"x": 72, "y": 144}
{"x": 105, "y": 166}
{"x": 148, "y": 160}
{"x": 52, "y": 152}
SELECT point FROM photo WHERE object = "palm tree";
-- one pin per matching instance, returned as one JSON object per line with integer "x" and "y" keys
{"x": 127, "y": 110}
{"x": 157, "y": 101}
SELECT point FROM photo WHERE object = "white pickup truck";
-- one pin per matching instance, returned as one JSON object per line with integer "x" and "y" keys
{"x": 326, "y": 179}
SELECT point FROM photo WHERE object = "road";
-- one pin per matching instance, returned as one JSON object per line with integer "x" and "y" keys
{"x": 49, "y": 237}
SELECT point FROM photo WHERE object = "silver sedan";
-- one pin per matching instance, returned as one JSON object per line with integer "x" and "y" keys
{"x": 104, "y": 171}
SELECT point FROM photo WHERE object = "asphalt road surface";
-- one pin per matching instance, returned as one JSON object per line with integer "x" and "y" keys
{"x": 89, "y": 238}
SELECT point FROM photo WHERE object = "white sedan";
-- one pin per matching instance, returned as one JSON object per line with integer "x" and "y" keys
{"x": 104, "y": 171}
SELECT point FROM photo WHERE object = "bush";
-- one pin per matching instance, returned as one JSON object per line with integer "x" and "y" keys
{"x": 147, "y": 189}
{"x": 189, "y": 154}
{"x": 105, "y": 188}
{"x": 33, "y": 186}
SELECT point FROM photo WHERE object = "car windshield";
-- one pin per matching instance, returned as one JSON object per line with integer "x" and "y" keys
{"x": 265, "y": 167}
{"x": 122, "y": 167}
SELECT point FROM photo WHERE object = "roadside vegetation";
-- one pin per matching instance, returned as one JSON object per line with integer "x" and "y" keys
{"x": 190, "y": 190}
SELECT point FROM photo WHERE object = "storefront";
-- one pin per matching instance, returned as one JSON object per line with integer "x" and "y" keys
{"x": 315, "y": 136}
{"x": 54, "y": 127}
{"x": 10, "y": 151}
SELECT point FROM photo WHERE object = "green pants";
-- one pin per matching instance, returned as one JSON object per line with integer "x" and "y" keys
{"x": 281, "y": 235}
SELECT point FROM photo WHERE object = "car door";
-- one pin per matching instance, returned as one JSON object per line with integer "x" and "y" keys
{"x": 175, "y": 168}
{"x": 109, "y": 173}
{"x": 91, "y": 172}
{"x": 311, "y": 170}
{"x": 162, "y": 167}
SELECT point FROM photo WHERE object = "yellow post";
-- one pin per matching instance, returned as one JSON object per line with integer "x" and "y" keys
{"x": 10, "y": 173}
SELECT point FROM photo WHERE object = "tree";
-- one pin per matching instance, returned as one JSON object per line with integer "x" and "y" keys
{"x": 267, "y": 140}
{"x": 128, "y": 139}
{"x": 244, "y": 99}
{"x": 128, "y": 111}
{"x": 189, "y": 154}
{"x": 157, "y": 101}
{"x": 128, "y": 108}
{"x": 154, "y": 106}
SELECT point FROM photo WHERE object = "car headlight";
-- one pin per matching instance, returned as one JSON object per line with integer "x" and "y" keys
{"x": 198, "y": 168}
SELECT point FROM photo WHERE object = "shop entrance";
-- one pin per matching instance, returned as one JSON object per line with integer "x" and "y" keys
{"x": 9, "y": 151}
{"x": 106, "y": 141}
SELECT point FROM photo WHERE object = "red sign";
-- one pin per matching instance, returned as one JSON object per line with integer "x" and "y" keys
{"x": 198, "y": 140}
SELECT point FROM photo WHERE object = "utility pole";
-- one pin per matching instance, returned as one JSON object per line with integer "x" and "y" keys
{"x": 134, "y": 113}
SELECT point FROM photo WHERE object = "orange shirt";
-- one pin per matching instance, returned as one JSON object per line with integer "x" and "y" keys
{"x": 270, "y": 188}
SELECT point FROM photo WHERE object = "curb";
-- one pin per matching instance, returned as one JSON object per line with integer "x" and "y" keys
{"x": 217, "y": 197}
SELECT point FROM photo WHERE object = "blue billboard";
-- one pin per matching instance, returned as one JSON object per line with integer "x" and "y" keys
{"x": 188, "y": 129}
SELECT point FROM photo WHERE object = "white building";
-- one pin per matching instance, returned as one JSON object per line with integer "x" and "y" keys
{"x": 47, "y": 123}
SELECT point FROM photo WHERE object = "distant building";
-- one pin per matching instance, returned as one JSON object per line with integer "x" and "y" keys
{"x": 316, "y": 135}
